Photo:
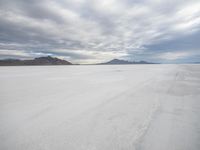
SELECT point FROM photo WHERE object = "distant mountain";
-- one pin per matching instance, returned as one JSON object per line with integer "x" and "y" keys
{"x": 37, "y": 61}
{"x": 123, "y": 62}
{"x": 117, "y": 61}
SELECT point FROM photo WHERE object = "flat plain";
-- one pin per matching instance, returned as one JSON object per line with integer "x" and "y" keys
{"x": 100, "y": 107}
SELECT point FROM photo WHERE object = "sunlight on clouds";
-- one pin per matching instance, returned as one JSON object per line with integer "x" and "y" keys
{"x": 14, "y": 52}
{"x": 86, "y": 56}
{"x": 174, "y": 55}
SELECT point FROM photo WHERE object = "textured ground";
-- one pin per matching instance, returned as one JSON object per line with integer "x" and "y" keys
{"x": 127, "y": 107}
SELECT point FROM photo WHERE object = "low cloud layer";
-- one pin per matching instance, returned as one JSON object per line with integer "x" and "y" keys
{"x": 88, "y": 31}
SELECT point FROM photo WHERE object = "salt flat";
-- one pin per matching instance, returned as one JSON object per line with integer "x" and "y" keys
{"x": 104, "y": 107}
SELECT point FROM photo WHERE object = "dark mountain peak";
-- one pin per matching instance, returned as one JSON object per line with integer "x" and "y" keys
{"x": 48, "y": 60}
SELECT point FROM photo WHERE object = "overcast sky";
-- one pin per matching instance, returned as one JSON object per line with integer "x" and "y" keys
{"x": 90, "y": 31}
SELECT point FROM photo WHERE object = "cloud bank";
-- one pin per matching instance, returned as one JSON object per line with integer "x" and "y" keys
{"x": 90, "y": 31}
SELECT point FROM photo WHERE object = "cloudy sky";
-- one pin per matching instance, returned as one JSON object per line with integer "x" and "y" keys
{"x": 90, "y": 31}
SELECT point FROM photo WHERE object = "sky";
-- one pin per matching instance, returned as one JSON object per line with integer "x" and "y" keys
{"x": 93, "y": 31}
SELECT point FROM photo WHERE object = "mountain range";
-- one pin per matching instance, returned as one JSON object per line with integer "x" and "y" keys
{"x": 56, "y": 61}
{"x": 123, "y": 62}
{"x": 37, "y": 61}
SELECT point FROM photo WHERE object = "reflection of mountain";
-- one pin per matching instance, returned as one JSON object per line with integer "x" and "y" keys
{"x": 118, "y": 61}
{"x": 37, "y": 61}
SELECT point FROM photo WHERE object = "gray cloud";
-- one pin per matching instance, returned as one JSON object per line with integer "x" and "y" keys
{"x": 93, "y": 31}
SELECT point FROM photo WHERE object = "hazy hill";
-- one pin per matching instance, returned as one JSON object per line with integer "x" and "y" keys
{"x": 118, "y": 61}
